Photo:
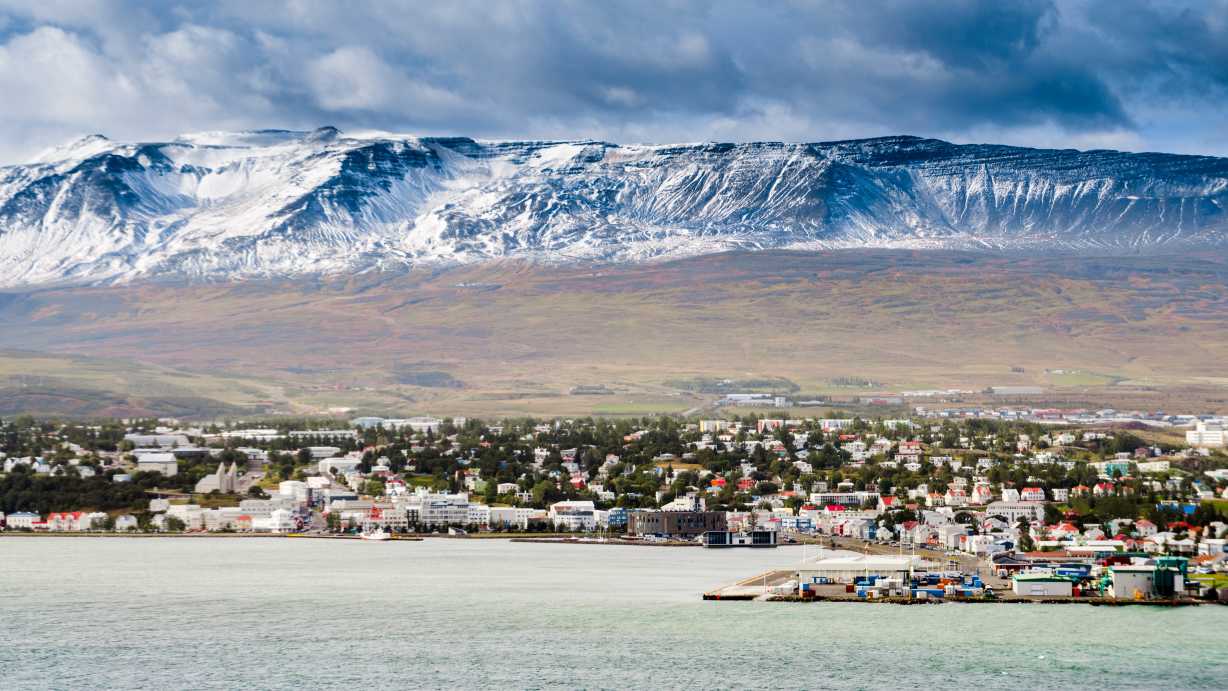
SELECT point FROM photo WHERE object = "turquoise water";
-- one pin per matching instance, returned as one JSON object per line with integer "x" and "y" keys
{"x": 256, "y": 613}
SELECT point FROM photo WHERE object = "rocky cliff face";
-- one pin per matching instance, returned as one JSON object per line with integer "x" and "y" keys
{"x": 270, "y": 203}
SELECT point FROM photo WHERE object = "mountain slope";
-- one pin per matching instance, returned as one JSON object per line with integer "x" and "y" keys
{"x": 273, "y": 203}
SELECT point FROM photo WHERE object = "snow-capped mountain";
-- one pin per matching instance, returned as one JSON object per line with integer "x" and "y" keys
{"x": 272, "y": 202}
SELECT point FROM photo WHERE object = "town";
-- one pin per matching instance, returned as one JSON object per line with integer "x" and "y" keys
{"x": 1021, "y": 503}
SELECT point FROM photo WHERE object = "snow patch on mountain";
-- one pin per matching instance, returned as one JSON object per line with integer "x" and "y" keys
{"x": 226, "y": 205}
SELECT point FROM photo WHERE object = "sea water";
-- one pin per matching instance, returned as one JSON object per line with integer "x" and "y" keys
{"x": 125, "y": 613}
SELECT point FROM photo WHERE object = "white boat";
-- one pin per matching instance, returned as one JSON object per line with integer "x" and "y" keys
{"x": 377, "y": 534}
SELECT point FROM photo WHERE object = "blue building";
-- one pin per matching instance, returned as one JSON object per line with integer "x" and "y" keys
{"x": 617, "y": 517}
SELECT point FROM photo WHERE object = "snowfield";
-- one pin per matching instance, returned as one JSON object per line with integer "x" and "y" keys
{"x": 221, "y": 205}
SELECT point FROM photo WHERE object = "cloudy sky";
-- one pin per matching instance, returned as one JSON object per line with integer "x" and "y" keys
{"x": 1127, "y": 74}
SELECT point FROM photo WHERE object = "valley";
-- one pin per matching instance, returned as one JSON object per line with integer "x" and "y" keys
{"x": 520, "y": 338}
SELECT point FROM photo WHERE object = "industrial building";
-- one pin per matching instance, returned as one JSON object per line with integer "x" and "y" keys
{"x": 684, "y": 524}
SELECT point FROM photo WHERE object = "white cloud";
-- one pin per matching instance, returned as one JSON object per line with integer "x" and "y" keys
{"x": 355, "y": 78}
{"x": 51, "y": 75}
{"x": 643, "y": 71}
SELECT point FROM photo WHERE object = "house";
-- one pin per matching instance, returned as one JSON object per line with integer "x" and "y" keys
{"x": 981, "y": 494}
{"x": 1064, "y": 531}
{"x": 1144, "y": 528}
{"x": 65, "y": 521}
{"x": 1061, "y": 494}
{"x": 1031, "y": 494}
{"x": 955, "y": 497}
{"x": 22, "y": 520}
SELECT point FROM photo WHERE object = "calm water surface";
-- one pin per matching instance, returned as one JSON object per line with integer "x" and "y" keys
{"x": 273, "y": 614}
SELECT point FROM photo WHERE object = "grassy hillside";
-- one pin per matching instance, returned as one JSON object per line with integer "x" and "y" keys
{"x": 514, "y": 338}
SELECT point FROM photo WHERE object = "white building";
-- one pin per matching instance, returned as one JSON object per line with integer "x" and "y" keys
{"x": 844, "y": 568}
{"x": 165, "y": 441}
{"x": 573, "y": 515}
{"x": 1041, "y": 585}
{"x": 225, "y": 480}
{"x": 22, "y": 520}
{"x": 1206, "y": 434}
{"x": 1012, "y": 511}
{"x": 430, "y": 510}
{"x": 279, "y": 521}
{"x": 514, "y": 517}
{"x": 164, "y": 463}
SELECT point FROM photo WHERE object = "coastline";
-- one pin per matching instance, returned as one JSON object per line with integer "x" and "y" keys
{"x": 200, "y": 535}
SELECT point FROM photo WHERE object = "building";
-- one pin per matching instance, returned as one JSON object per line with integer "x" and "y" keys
{"x": 22, "y": 520}
{"x": 616, "y": 518}
{"x": 843, "y": 569}
{"x": 164, "y": 463}
{"x": 1016, "y": 390}
{"x": 338, "y": 465}
{"x": 279, "y": 521}
{"x": 685, "y": 524}
{"x": 572, "y": 515}
{"x": 1207, "y": 434}
{"x": 1131, "y": 581}
{"x": 507, "y": 517}
{"x": 429, "y": 510}
{"x": 1012, "y": 511}
{"x": 225, "y": 480}
{"x": 1042, "y": 585}
{"x": 1032, "y": 494}
{"x": 165, "y": 441}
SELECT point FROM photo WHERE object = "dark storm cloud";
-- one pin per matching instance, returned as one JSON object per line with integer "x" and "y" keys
{"x": 1130, "y": 74}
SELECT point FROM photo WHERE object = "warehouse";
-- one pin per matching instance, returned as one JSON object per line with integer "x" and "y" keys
{"x": 843, "y": 569}
{"x": 1042, "y": 585}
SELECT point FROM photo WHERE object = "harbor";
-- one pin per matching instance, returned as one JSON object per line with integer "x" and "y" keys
{"x": 846, "y": 576}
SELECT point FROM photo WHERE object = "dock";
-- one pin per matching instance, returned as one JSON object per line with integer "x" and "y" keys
{"x": 760, "y": 587}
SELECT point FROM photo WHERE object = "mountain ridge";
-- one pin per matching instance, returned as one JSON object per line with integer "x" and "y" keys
{"x": 265, "y": 203}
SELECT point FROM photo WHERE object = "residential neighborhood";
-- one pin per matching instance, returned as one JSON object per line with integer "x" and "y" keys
{"x": 1009, "y": 493}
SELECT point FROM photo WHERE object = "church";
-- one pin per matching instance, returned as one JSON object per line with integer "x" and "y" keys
{"x": 225, "y": 480}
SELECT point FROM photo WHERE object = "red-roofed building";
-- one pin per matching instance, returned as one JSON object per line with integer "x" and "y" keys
{"x": 1031, "y": 494}
{"x": 66, "y": 520}
{"x": 1144, "y": 528}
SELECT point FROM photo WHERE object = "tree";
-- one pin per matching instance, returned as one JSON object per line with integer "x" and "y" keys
{"x": 1052, "y": 514}
{"x": 175, "y": 524}
{"x": 1026, "y": 544}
